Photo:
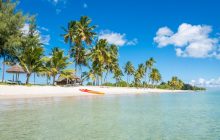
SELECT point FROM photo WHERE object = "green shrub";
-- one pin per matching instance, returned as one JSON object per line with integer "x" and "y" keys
{"x": 108, "y": 84}
{"x": 89, "y": 84}
{"x": 121, "y": 84}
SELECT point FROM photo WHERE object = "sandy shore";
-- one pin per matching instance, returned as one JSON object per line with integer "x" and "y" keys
{"x": 7, "y": 91}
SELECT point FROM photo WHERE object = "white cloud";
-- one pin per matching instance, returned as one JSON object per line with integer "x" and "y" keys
{"x": 132, "y": 42}
{"x": 25, "y": 29}
{"x": 45, "y": 39}
{"x": 116, "y": 38}
{"x": 189, "y": 40}
{"x": 43, "y": 28}
{"x": 85, "y": 5}
{"x": 57, "y": 1}
{"x": 206, "y": 82}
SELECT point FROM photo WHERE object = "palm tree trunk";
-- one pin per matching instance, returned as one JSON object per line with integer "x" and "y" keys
{"x": 28, "y": 78}
{"x": 54, "y": 76}
{"x": 97, "y": 80}
{"x": 101, "y": 80}
{"x": 76, "y": 68}
{"x": 106, "y": 75}
{"x": 80, "y": 69}
{"x": 145, "y": 80}
{"x": 127, "y": 80}
{"x": 34, "y": 78}
{"x": 47, "y": 80}
{"x": 3, "y": 69}
{"x": 77, "y": 61}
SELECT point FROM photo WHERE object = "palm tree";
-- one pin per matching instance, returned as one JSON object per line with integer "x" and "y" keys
{"x": 31, "y": 60}
{"x": 129, "y": 70}
{"x": 141, "y": 70}
{"x": 148, "y": 67}
{"x": 89, "y": 75}
{"x": 58, "y": 62}
{"x": 79, "y": 32}
{"x": 30, "y": 53}
{"x": 137, "y": 78}
{"x": 83, "y": 57}
{"x": 111, "y": 59}
{"x": 155, "y": 76}
{"x": 67, "y": 74}
{"x": 117, "y": 74}
{"x": 175, "y": 83}
{"x": 45, "y": 69}
{"x": 85, "y": 32}
{"x": 99, "y": 56}
{"x": 70, "y": 32}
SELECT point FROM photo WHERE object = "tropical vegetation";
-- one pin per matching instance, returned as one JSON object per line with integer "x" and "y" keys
{"x": 95, "y": 60}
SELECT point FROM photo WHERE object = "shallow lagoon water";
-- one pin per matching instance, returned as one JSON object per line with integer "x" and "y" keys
{"x": 182, "y": 116}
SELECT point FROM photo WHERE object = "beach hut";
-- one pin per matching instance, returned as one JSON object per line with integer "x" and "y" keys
{"x": 73, "y": 81}
{"x": 15, "y": 70}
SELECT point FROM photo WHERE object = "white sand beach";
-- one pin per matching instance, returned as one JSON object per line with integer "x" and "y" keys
{"x": 7, "y": 91}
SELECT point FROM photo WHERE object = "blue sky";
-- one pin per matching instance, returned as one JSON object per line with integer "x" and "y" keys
{"x": 183, "y": 35}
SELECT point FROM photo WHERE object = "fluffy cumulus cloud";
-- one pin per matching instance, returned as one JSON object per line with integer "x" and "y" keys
{"x": 189, "y": 41}
{"x": 116, "y": 38}
{"x": 45, "y": 39}
{"x": 206, "y": 82}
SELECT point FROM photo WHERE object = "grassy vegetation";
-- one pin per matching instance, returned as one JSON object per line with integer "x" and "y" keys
{"x": 174, "y": 84}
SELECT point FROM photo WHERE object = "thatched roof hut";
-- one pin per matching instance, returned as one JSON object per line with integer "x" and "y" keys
{"x": 71, "y": 81}
{"x": 15, "y": 69}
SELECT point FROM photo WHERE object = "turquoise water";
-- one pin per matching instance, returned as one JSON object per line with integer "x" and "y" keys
{"x": 186, "y": 116}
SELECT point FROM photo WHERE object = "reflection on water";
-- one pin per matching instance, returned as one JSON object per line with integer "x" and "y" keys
{"x": 191, "y": 116}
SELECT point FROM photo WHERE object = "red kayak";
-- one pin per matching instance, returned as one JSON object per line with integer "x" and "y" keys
{"x": 91, "y": 91}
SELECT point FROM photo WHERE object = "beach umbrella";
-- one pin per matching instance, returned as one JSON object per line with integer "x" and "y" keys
{"x": 16, "y": 69}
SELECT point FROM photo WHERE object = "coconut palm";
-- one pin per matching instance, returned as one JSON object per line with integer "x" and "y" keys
{"x": 111, "y": 59}
{"x": 45, "y": 70}
{"x": 31, "y": 60}
{"x": 67, "y": 74}
{"x": 129, "y": 70}
{"x": 58, "y": 62}
{"x": 89, "y": 75}
{"x": 70, "y": 32}
{"x": 117, "y": 74}
{"x": 137, "y": 78}
{"x": 141, "y": 70}
{"x": 82, "y": 57}
{"x": 176, "y": 83}
{"x": 85, "y": 31}
{"x": 79, "y": 33}
{"x": 99, "y": 55}
{"x": 148, "y": 67}
{"x": 155, "y": 76}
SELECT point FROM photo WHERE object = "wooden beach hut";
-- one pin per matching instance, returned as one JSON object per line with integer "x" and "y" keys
{"x": 73, "y": 81}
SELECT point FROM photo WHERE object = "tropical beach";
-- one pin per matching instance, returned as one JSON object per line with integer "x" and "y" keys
{"x": 12, "y": 92}
{"x": 113, "y": 70}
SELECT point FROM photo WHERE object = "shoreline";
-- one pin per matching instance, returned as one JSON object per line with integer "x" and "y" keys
{"x": 17, "y": 92}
